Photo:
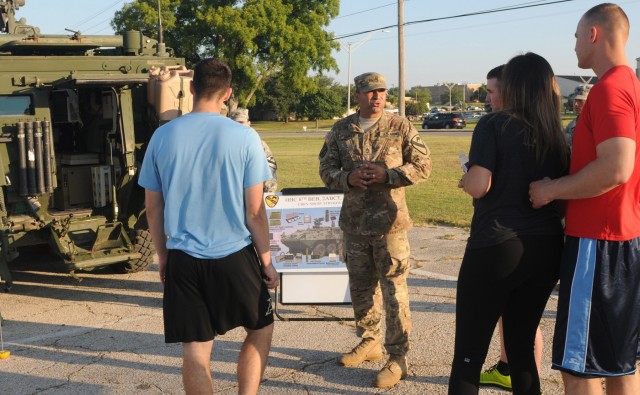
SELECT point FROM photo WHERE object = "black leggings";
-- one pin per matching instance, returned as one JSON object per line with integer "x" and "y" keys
{"x": 513, "y": 279}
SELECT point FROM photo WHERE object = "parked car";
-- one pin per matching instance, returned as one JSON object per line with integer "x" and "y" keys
{"x": 445, "y": 121}
{"x": 474, "y": 115}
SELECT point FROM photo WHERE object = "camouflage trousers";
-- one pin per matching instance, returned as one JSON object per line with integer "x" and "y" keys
{"x": 378, "y": 267}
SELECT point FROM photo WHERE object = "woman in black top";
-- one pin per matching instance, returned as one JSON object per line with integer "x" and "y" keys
{"x": 513, "y": 254}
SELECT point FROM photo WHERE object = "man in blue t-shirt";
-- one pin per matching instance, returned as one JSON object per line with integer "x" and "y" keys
{"x": 203, "y": 174}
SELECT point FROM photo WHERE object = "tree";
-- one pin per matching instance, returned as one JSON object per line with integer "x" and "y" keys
{"x": 421, "y": 96}
{"x": 416, "y": 108}
{"x": 324, "y": 103}
{"x": 480, "y": 94}
{"x": 392, "y": 95}
{"x": 277, "y": 96}
{"x": 456, "y": 96}
{"x": 420, "y": 93}
{"x": 257, "y": 38}
{"x": 341, "y": 92}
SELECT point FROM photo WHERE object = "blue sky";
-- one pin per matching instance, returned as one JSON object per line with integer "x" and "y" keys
{"x": 452, "y": 50}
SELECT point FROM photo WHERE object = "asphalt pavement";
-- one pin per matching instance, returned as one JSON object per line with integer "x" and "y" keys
{"x": 104, "y": 335}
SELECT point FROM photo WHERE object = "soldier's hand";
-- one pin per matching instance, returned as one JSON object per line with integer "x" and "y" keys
{"x": 374, "y": 174}
{"x": 358, "y": 179}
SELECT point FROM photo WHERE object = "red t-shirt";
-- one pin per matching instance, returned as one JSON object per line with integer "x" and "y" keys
{"x": 612, "y": 110}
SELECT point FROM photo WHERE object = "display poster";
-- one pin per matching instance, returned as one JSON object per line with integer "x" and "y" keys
{"x": 304, "y": 231}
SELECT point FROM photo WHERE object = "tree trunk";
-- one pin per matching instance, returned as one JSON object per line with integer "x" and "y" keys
{"x": 253, "y": 90}
{"x": 232, "y": 103}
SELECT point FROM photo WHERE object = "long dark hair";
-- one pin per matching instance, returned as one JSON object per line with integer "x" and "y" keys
{"x": 530, "y": 93}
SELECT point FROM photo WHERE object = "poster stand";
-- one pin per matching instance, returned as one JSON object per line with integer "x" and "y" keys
{"x": 307, "y": 250}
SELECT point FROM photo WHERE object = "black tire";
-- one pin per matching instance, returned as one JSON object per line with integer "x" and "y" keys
{"x": 319, "y": 249}
{"x": 144, "y": 245}
{"x": 425, "y": 126}
{"x": 447, "y": 126}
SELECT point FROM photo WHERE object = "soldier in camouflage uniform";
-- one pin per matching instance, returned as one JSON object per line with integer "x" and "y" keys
{"x": 371, "y": 156}
{"x": 581, "y": 94}
{"x": 242, "y": 115}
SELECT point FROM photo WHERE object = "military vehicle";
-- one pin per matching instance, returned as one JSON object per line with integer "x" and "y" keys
{"x": 317, "y": 241}
{"x": 75, "y": 117}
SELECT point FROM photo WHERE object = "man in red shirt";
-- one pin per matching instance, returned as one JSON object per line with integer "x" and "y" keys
{"x": 598, "y": 322}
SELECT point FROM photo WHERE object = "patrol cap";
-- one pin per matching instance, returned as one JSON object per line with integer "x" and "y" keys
{"x": 240, "y": 115}
{"x": 368, "y": 82}
{"x": 582, "y": 91}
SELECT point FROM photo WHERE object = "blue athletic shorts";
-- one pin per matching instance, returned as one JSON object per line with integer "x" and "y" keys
{"x": 207, "y": 297}
{"x": 598, "y": 322}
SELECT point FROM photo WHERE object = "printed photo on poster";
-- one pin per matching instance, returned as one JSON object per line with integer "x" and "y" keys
{"x": 304, "y": 231}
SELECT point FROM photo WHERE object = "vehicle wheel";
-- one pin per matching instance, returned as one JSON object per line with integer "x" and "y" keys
{"x": 425, "y": 126}
{"x": 320, "y": 250}
{"x": 447, "y": 126}
{"x": 144, "y": 245}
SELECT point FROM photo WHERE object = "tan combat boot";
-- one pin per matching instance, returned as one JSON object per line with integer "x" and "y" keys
{"x": 367, "y": 350}
{"x": 393, "y": 371}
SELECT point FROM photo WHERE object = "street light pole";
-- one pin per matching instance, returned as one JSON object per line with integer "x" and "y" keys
{"x": 449, "y": 85}
{"x": 349, "y": 81}
{"x": 350, "y": 48}
{"x": 401, "y": 58}
{"x": 464, "y": 88}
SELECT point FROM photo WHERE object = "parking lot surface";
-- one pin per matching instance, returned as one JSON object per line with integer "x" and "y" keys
{"x": 104, "y": 335}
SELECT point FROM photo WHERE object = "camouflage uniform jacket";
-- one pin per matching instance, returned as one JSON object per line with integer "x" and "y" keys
{"x": 272, "y": 184}
{"x": 571, "y": 127}
{"x": 392, "y": 143}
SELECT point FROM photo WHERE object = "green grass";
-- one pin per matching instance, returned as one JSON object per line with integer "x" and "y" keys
{"x": 439, "y": 200}
{"x": 435, "y": 201}
{"x": 291, "y": 126}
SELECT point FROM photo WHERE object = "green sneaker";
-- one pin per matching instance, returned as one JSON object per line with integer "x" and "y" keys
{"x": 492, "y": 376}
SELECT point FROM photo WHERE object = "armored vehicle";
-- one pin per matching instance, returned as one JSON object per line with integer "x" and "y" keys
{"x": 317, "y": 241}
{"x": 75, "y": 117}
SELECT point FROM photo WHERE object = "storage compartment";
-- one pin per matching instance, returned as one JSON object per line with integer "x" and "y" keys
{"x": 74, "y": 188}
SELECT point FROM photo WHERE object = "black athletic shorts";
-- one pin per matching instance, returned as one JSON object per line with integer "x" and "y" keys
{"x": 207, "y": 297}
{"x": 598, "y": 322}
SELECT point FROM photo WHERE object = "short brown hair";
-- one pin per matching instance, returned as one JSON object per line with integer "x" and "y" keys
{"x": 211, "y": 77}
{"x": 496, "y": 73}
{"x": 609, "y": 16}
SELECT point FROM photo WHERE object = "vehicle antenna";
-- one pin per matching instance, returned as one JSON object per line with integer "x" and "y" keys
{"x": 160, "y": 38}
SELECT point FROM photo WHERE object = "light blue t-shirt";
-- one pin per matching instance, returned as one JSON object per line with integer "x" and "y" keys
{"x": 202, "y": 162}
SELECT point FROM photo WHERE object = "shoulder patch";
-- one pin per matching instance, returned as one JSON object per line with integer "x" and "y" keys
{"x": 418, "y": 144}
{"x": 324, "y": 150}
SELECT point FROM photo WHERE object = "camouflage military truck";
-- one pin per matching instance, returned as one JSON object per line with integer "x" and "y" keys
{"x": 317, "y": 241}
{"x": 75, "y": 118}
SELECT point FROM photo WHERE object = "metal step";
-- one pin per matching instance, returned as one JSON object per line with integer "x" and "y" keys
{"x": 87, "y": 248}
